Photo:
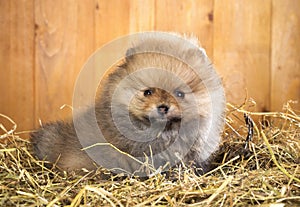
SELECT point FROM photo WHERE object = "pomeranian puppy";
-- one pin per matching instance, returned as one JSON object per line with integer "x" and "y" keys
{"x": 163, "y": 103}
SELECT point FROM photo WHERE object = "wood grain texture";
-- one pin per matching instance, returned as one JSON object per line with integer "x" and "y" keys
{"x": 17, "y": 62}
{"x": 64, "y": 40}
{"x": 190, "y": 17}
{"x": 142, "y": 15}
{"x": 242, "y": 49}
{"x": 111, "y": 20}
{"x": 130, "y": 16}
{"x": 285, "y": 53}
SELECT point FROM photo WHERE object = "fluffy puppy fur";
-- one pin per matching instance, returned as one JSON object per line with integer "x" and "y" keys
{"x": 165, "y": 101}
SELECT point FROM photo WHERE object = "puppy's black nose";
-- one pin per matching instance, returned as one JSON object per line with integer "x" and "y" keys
{"x": 162, "y": 109}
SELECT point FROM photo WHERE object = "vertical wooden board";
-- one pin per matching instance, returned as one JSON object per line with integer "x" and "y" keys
{"x": 190, "y": 17}
{"x": 64, "y": 40}
{"x": 142, "y": 15}
{"x": 129, "y": 16}
{"x": 242, "y": 49}
{"x": 16, "y": 62}
{"x": 285, "y": 84}
{"x": 111, "y": 20}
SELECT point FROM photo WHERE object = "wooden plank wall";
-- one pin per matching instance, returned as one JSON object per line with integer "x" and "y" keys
{"x": 254, "y": 44}
{"x": 242, "y": 49}
{"x": 285, "y": 53}
{"x": 17, "y": 62}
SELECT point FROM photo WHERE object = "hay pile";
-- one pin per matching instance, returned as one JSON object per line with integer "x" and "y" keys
{"x": 265, "y": 172}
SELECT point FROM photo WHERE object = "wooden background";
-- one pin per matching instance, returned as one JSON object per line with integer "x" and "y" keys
{"x": 254, "y": 44}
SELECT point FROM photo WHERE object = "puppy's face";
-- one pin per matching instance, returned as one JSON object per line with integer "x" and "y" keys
{"x": 157, "y": 105}
{"x": 158, "y": 88}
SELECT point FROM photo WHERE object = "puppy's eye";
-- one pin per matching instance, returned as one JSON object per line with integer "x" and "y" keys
{"x": 148, "y": 92}
{"x": 179, "y": 94}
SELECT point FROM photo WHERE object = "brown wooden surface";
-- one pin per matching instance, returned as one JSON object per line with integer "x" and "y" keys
{"x": 142, "y": 15}
{"x": 17, "y": 62}
{"x": 254, "y": 44}
{"x": 189, "y": 17}
{"x": 111, "y": 20}
{"x": 242, "y": 49}
{"x": 64, "y": 40}
{"x": 285, "y": 83}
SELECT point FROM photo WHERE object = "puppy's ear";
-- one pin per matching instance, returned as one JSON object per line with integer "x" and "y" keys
{"x": 129, "y": 54}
